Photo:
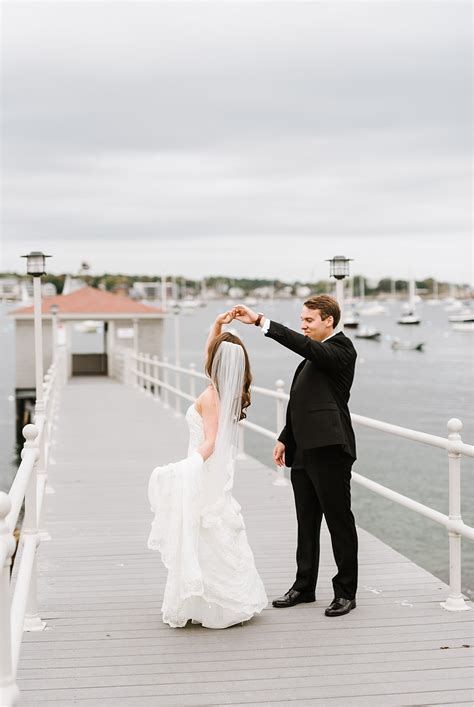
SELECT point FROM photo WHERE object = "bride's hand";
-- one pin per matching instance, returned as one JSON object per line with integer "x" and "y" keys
{"x": 225, "y": 317}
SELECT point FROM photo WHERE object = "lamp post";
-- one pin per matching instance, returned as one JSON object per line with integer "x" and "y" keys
{"x": 339, "y": 269}
{"x": 35, "y": 266}
{"x": 54, "y": 309}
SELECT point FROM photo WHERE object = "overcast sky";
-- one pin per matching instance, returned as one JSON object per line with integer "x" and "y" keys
{"x": 238, "y": 138}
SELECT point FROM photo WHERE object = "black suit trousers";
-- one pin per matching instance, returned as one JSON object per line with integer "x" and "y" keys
{"x": 322, "y": 487}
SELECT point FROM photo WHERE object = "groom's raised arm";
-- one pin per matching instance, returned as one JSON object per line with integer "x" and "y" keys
{"x": 331, "y": 355}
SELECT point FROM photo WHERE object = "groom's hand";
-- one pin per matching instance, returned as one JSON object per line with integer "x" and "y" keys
{"x": 279, "y": 454}
{"x": 245, "y": 315}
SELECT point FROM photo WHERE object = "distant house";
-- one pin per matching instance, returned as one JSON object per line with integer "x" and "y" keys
{"x": 303, "y": 291}
{"x": 264, "y": 292}
{"x": 48, "y": 289}
{"x": 71, "y": 284}
{"x": 16, "y": 288}
{"x": 285, "y": 293}
{"x": 236, "y": 292}
{"x": 121, "y": 289}
{"x": 147, "y": 290}
{"x": 10, "y": 288}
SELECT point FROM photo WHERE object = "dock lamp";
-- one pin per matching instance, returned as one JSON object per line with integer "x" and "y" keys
{"x": 339, "y": 269}
{"x": 36, "y": 267}
{"x": 36, "y": 263}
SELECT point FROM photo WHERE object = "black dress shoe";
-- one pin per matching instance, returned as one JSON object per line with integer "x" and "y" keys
{"x": 339, "y": 607}
{"x": 293, "y": 597}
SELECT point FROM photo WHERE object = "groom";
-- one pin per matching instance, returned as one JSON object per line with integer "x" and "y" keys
{"x": 318, "y": 444}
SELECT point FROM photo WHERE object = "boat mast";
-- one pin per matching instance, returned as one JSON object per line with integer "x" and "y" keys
{"x": 411, "y": 298}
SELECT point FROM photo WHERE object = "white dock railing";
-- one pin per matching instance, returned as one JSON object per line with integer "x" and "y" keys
{"x": 18, "y": 599}
{"x": 153, "y": 376}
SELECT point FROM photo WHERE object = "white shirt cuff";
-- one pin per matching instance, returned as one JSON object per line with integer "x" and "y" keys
{"x": 266, "y": 325}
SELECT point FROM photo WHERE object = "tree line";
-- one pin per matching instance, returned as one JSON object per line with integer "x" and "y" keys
{"x": 113, "y": 282}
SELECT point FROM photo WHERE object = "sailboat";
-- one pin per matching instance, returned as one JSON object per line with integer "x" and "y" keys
{"x": 465, "y": 315}
{"x": 409, "y": 315}
{"x": 373, "y": 308}
{"x": 452, "y": 304}
{"x": 369, "y": 333}
{"x": 398, "y": 345}
{"x": 351, "y": 319}
{"x": 434, "y": 300}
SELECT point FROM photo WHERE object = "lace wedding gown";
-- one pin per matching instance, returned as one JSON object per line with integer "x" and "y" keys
{"x": 200, "y": 533}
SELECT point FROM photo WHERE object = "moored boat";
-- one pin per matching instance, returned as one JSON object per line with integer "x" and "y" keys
{"x": 398, "y": 345}
{"x": 465, "y": 315}
{"x": 351, "y": 320}
{"x": 464, "y": 326}
{"x": 367, "y": 333}
{"x": 409, "y": 317}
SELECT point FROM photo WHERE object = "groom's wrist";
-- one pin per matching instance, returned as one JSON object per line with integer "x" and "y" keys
{"x": 258, "y": 320}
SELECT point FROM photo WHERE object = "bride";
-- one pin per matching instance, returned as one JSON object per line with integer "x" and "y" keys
{"x": 198, "y": 527}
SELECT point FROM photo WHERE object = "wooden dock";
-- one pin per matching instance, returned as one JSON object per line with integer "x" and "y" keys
{"x": 100, "y": 591}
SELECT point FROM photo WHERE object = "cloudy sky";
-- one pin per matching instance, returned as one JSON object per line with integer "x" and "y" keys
{"x": 238, "y": 138}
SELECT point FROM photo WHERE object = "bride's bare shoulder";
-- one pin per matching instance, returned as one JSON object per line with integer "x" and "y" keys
{"x": 207, "y": 400}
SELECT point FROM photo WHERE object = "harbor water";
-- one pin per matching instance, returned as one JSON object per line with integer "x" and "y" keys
{"x": 417, "y": 389}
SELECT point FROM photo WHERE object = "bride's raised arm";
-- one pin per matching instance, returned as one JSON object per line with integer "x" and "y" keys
{"x": 216, "y": 328}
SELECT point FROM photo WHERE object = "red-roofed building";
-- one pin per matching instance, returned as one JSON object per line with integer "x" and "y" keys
{"x": 88, "y": 302}
{"x": 114, "y": 320}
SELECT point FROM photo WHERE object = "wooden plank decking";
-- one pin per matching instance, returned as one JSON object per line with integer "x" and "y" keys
{"x": 100, "y": 592}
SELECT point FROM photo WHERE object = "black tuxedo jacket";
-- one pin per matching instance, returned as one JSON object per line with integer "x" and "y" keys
{"x": 317, "y": 414}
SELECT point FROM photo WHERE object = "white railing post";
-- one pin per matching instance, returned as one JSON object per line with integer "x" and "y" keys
{"x": 32, "y": 620}
{"x": 62, "y": 355}
{"x": 166, "y": 393}
{"x": 455, "y": 600}
{"x": 281, "y": 479}
{"x": 192, "y": 381}
{"x": 147, "y": 366}
{"x": 40, "y": 471}
{"x": 9, "y": 693}
{"x": 126, "y": 369}
{"x": 129, "y": 366}
{"x": 177, "y": 398}
{"x": 156, "y": 377}
{"x": 141, "y": 368}
{"x": 136, "y": 369}
{"x": 51, "y": 413}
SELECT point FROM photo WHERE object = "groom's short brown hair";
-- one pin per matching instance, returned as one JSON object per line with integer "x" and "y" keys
{"x": 327, "y": 306}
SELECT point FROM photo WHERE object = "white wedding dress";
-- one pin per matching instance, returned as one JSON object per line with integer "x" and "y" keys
{"x": 200, "y": 533}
